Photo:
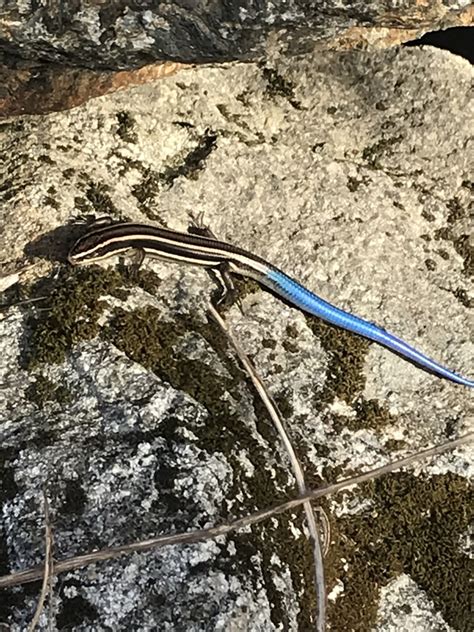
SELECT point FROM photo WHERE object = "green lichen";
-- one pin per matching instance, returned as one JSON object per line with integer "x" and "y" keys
{"x": 290, "y": 342}
{"x": 64, "y": 148}
{"x": 443, "y": 254}
{"x": 345, "y": 379}
{"x": 47, "y": 160}
{"x": 456, "y": 211}
{"x": 284, "y": 404}
{"x": 268, "y": 343}
{"x": 232, "y": 117}
{"x": 70, "y": 314}
{"x": 394, "y": 445}
{"x": 146, "y": 280}
{"x": 464, "y": 248}
{"x": 295, "y": 552}
{"x": 125, "y": 163}
{"x": 149, "y": 186}
{"x": 48, "y": 200}
{"x": 353, "y": 184}
{"x": 99, "y": 198}
{"x": 463, "y": 297}
{"x": 7, "y": 189}
{"x": 42, "y": 391}
{"x": 186, "y": 165}
{"x": 414, "y": 526}
{"x": 277, "y": 85}
{"x": 277, "y": 538}
{"x": 74, "y": 303}
{"x": 145, "y": 338}
{"x": 370, "y": 413}
{"x": 346, "y": 358}
{"x": 373, "y": 154}
{"x": 291, "y": 331}
{"x": 461, "y": 242}
{"x": 126, "y": 128}
{"x": 381, "y": 106}
{"x": 428, "y": 215}
{"x": 192, "y": 162}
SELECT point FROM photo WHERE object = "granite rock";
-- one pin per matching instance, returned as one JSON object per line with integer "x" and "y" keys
{"x": 56, "y": 55}
{"x": 350, "y": 171}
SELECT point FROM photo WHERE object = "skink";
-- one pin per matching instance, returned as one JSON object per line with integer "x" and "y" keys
{"x": 101, "y": 243}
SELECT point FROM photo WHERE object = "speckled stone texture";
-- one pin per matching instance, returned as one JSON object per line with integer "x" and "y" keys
{"x": 125, "y": 33}
{"x": 352, "y": 173}
{"x": 56, "y": 55}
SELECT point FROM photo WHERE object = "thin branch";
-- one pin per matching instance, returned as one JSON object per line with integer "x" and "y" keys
{"x": 192, "y": 537}
{"x": 48, "y": 565}
{"x": 275, "y": 415}
{"x": 26, "y": 301}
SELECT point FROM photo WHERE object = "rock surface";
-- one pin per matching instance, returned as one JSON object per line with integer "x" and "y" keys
{"x": 126, "y": 33}
{"x": 349, "y": 171}
{"x": 36, "y": 88}
{"x": 55, "y": 55}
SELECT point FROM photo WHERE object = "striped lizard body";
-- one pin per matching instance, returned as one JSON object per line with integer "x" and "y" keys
{"x": 114, "y": 239}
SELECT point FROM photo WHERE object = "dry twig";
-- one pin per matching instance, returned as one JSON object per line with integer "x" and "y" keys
{"x": 275, "y": 415}
{"x": 192, "y": 537}
{"x": 49, "y": 570}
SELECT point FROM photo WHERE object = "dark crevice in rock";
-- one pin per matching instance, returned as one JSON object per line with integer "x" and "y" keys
{"x": 458, "y": 40}
{"x": 74, "y": 612}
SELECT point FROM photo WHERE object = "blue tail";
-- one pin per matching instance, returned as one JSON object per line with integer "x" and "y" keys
{"x": 302, "y": 298}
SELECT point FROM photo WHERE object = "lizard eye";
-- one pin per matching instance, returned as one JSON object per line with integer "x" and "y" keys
{"x": 85, "y": 248}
